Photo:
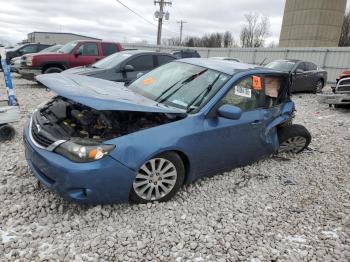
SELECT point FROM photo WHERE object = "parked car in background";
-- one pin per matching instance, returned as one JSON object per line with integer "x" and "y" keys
{"x": 20, "y": 61}
{"x": 186, "y": 53}
{"x": 23, "y": 50}
{"x": 124, "y": 66}
{"x": 305, "y": 76}
{"x": 72, "y": 54}
{"x": 99, "y": 142}
{"x": 345, "y": 74}
{"x": 227, "y": 59}
{"x": 340, "y": 97}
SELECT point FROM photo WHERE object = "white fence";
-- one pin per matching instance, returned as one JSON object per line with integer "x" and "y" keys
{"x": 333, "y": 60}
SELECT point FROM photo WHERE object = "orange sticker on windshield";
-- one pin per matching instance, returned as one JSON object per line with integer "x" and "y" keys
{"x": 256, "y": 83}
{"x": 148, "y": 81}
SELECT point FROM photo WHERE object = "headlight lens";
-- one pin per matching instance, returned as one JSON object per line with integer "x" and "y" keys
{"x": 83, "y": 153}
{"x": 29, "y": 61}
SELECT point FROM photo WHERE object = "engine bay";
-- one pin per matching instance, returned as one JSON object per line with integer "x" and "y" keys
{"x": 75, "y": 120}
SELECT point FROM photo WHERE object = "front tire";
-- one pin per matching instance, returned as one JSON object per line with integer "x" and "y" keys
{"x": 293, "y": 139}
{"x": 51, "y": 70}
{"x": 7, "y": 132}
{"x": 158, "y": 179}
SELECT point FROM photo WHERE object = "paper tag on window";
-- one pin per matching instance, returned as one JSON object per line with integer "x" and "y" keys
{"x": 241, "y": 91}
{"x": 148, "y": 81}
{"x": 256, "y": 83}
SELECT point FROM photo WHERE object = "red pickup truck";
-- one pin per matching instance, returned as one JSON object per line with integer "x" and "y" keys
{"x": 72, "y": 54}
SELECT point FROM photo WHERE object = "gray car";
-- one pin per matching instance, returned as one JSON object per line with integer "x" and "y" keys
{"x": 124, "y": 66}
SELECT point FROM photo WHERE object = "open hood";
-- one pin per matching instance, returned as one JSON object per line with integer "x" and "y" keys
{"x": 101, "y": 94}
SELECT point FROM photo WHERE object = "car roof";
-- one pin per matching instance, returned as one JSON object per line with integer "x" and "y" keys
{"x": 288, "y": 60}
{"x": 132, "y": 52}
{"x": 227, "y": 67}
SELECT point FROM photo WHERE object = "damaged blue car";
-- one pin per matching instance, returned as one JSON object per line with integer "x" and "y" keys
{"x": 100, "y": 142}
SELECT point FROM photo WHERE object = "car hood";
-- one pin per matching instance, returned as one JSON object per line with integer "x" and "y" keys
{"x": 84, "y": 70}
{"x": 101, "y": 94}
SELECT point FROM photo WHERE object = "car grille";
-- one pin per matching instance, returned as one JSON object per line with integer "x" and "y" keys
{"x": 344, "y": 85}
{"x": 40, "y": 138}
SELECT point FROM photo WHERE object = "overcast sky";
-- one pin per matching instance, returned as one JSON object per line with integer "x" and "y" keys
{"x": 108, "y": 20}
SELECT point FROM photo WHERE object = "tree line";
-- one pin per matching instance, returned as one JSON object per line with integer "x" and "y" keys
{"x": 253, "y": 34}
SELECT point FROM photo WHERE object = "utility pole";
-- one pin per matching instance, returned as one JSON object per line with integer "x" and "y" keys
{"x": 160, "y": 15}
{"x": 181, "y": 22}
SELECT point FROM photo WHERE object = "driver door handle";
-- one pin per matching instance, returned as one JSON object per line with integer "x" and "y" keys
{"x": 256, "y": 122}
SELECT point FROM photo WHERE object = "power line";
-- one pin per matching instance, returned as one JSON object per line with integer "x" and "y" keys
{"x": 136, "y": 13}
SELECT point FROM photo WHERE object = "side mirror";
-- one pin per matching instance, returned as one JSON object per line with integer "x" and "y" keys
{"x": 299, "y": 71}
{"x": 230, "y": 112}
{"x": 139, "y": 75}
{"x": 78, "y": 53}
{"x": 128, "y": 68}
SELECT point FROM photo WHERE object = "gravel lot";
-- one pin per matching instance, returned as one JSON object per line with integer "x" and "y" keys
{"x": 292, "y": 208}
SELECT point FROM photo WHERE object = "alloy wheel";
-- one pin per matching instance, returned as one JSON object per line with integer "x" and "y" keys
{"x": 293, "y": 145}
{"x": 155, "y": 179}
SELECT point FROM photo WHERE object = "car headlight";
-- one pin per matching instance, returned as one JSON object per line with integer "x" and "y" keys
{"x": 83, "y": 153}
{"x": 29, "y": 61}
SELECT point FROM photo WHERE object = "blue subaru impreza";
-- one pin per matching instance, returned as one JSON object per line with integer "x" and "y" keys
{"x": 101, "y": 142}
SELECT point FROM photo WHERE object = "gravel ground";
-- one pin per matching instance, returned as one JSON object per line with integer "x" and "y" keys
{"x": 294, "y": 208}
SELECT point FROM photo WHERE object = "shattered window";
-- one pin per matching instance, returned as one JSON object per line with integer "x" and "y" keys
{"x": 255, "y": 92}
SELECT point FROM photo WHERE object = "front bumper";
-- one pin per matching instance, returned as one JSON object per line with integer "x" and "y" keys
{"x": 105, "y": 181}
{"x": 334, "y": 99}
{"x": 28, "y": 73}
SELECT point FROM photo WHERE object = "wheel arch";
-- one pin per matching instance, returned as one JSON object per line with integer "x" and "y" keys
{"x": 45, "y": 66}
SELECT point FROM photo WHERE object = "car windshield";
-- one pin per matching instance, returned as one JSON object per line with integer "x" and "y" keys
{"x": 284, "y": 66}
{"x": 180, "y": 85}
{"x": 112, "y": 60}
{"x": 67, "y": 48}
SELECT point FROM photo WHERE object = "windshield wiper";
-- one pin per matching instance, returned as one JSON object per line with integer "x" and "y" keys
{"x": 204, "y": 93}
{"x": 184, "y": 82}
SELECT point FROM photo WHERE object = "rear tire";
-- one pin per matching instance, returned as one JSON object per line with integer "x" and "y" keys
{"x": 293, "y": 139}
{"x": 158, "y": 179}
{"x": 7, "y": 132}
{"x": 319, "y": 86}
{"x": 51, "y": 70}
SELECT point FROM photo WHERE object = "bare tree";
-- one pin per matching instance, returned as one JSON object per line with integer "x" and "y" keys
{"x": 255, "y": 31}
{"x": 345, "y": 32}
{"x": 228, "y": 40}
{"x": 174, "y": 41}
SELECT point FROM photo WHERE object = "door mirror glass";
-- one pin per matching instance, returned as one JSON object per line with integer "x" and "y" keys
{"x": 230, "y": 112}
{"x": 128, "y": 68}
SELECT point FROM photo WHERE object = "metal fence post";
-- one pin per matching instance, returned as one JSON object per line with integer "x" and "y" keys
{"x": 325, "y": 58}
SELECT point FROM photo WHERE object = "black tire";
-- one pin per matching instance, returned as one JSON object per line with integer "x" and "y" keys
{"x": 319, "y": 86}
{"x": 290, "y": 136}
{"x": 51, "y": 70}
{"x": 176, "y": 160}
{"x": 7, "y": 132}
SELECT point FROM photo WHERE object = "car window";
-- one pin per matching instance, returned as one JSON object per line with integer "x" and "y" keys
{"x": 310, "y": 66}
{"x": 28, "y": 49}
{"x": 108, "y": 49}
{"x": 142, "y": 63}
{"x": 302, "y": 67}
{"x": 163, "y": 59}
{"x": 42, "y": 47}
{"x": 255, "y": 92}
{"x": 88, "y": 49}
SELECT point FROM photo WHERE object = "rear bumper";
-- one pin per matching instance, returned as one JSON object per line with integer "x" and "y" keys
{"x": 28, "y": 73}
{"x": 334, "y": 99}
{"x": 105, "y": 181}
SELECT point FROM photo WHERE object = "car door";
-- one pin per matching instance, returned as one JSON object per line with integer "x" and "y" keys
{"x": 299, "y": 78}
{"x": 239, "y": 142}
{"x": 85, "y": 54}
{"x": 311, "y": 76}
